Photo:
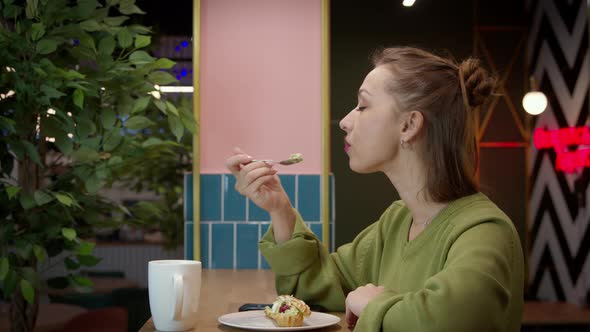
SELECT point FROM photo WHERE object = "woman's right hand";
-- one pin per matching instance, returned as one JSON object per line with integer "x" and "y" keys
{"x": 258, "y": 181}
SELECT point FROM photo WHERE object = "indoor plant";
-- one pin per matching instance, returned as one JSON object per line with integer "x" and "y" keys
{"x": 75, "y": 83}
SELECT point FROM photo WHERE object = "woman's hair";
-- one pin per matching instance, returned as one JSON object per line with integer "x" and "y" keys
{"x": 445, "y": 93}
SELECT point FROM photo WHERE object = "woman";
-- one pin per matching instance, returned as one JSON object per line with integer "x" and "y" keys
{"x": 444, "y": 257}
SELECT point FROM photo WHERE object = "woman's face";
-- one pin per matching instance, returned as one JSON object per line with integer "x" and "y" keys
{"x": 373, "y": 128}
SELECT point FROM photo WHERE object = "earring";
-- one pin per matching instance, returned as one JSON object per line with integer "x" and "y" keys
{"x": 402, "y": 143}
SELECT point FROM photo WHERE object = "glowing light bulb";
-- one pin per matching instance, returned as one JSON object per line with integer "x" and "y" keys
{"x": 534, "y": 102}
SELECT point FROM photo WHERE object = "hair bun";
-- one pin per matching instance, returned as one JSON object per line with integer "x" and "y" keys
{"x": 478, "y": 82}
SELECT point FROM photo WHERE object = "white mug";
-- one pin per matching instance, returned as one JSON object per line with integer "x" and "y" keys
{"x": 174, "y": 289}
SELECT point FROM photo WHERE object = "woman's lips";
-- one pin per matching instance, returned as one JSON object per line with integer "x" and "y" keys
{"x": 346, "y": 146}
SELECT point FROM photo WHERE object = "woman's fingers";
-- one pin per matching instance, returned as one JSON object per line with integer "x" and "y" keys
{"x": 250, "y": 174}
{"x": 235, "y": 162}
{"x": 350, "y": 318}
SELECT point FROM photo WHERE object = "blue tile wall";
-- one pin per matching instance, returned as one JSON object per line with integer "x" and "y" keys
{"x": 205, "y": 255}
{"x": 256, "y": 214}
{"x": 247, "y": 246}
{"x": 234, "y": 204}
{"x": 308, "y": 197}
{"x": 222, "y": 246}
{"x": 210, "y": 197}
{"x": 225, "y": 211}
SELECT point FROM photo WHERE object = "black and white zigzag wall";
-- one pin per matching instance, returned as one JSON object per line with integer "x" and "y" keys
{"x": 559, "y": 204}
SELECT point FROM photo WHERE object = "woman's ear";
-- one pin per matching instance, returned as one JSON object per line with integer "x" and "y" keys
{"x": 412, "y": 125}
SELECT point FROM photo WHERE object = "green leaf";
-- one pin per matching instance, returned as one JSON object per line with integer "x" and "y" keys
{"x": 92, "y": 184}
{"x": 108, "y": 118}
{"x": 24, "y": 249}
{"x": 46, "y": 46}
{"x": 106, "y": 46}
{"x": 32, "y": 152}
{"x": 112, "y": 2}
{"x": 51, "y": 92}
{"x": 27, "y": 290}
{"x": 88, "y": 260}
{"x": 40, "y": 71}
{"x": 27, "y": 201}
{"x": 138, "y": 122}
{"x": 42, "y": 197}
{"x": 164, "y": 63}
{"x": 140, "y": 58}
{"x": 142, "y": 41}
{"x": 71, "y": 264}
{"x": 78, "y": 98}
{"x": 68, "y": 233}
{"x": 90, "y": 25}
{"x": 12, "y": 191}
{"x": 172, "y": 108}
{"x": 116, "y": 160}
{"x": 85, "y": 155}
{"x": 37, "y": 31}
{"x": 82, "y": 281}
{"x": 128, "y": 10}
{"x": 124, "y": 37}
{"x": 112, "y": 139}
{"x": 31, "y": 9}
{"x": 176, "y": 127}
{"x": 151, "y": 141}
{"x": 161, "y": 105}
{"x": 4, "y": 267}
{"x": 115, "y": 21}
{"x": 161, "y": 77}
{"x": 140, "y": 104}
{"x": 72, "y": 75}
{"x": 40, "y": 253}
{"x": 64, "y": 143}
{"x": 86, "y": 8}
{"x": 64, "y": 199}
{"x": 140, "y": 29}
{"x": 85, "y": 248}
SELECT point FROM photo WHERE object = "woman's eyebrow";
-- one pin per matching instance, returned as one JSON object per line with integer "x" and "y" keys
{"x": 365, "y": 91}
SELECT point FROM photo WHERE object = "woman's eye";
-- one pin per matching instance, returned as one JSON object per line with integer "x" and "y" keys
{"x": 361, "y": 108}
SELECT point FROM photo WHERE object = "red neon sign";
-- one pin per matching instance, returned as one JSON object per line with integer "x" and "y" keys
{"x": 567, "y": 161}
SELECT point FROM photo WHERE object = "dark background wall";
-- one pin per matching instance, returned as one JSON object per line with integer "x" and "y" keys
{"x": 441, "y": 26}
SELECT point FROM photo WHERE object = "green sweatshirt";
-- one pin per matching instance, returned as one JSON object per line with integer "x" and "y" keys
{"x": 464, "y": 272}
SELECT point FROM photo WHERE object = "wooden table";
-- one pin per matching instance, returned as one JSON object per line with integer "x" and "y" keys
{"x": 224, "y": 291}
{"x": 52, "y": 316}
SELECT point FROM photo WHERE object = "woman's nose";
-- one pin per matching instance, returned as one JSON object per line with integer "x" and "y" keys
{"x": 346, "y": 122}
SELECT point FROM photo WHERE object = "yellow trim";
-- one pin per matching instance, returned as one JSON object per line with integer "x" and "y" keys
{"x": 196, "y": 140}
{"x": 325, "y": 177}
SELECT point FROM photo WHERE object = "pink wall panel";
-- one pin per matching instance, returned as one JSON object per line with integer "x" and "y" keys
{"x": 261, "y": 81}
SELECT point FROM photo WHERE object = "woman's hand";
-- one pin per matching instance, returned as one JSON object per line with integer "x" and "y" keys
{"x": 257, "y": 181}
{"x": 357, "y": 300}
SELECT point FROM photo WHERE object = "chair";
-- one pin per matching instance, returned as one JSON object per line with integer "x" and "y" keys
{"x": 137, "y": 303}
{"x": 112, "y": 319}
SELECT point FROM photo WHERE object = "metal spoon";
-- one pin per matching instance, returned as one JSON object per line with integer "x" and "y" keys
{"x": 293, "y": 159}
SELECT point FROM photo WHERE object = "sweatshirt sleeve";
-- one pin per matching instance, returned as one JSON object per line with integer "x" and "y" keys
{"x": 305, "y": 268}
{"x": 472, "y": 291}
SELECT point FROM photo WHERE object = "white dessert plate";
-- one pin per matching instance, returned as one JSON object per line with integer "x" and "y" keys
{"x": 255, "y": 320}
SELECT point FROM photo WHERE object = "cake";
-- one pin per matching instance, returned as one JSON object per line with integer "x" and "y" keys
{"x": 287, "y": 311}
